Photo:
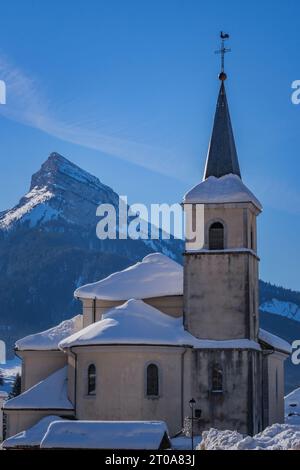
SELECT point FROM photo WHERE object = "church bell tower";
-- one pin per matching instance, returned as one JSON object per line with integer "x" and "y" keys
{"x": 221, "y": 285}
{"x": 221, "y": 276}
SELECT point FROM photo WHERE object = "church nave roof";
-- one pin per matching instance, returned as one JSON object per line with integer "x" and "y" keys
{"x": 156, "y": 275}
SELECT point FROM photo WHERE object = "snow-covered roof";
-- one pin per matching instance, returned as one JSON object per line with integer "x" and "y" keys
{"x": 275, "y": 341}
{"x": 50, "y": 393}
{"x": 31, "y": 437}
{"x": 293, "y": 398}
{"x": 105, "y": 435}
{"x": 136, "y": 322}
{"x": 155, "y": 276}
{"x": 292, "y": 407}
{"x": 226, "y": 189}
{"x": 49, "y": 339}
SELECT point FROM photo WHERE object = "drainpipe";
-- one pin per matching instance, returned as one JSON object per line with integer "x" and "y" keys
{"x": 265, "y": 388}
{"x": 182, "y": 387}
{"x": 94, "y": 310}
{"x": 74, "y": 355}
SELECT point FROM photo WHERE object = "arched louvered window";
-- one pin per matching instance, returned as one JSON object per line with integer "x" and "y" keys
{"x": 92, "y": 379}
{"x": 216, "y": 236}
{"x": 217, "y": 378}
{"x": 152, "y": 381}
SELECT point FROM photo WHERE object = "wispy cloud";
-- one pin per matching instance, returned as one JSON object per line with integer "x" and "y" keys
{"x": 278, "y": 194}
{"x": 27, "y": 104}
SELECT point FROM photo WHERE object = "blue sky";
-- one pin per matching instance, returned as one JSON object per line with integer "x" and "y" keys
{"x": 127, "y": 90}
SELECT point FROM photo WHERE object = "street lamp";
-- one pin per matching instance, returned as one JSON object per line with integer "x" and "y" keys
{"x": 192, "y": 404}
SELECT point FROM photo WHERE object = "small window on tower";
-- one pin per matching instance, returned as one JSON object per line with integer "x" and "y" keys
{"x": 92, "y": 379}
{"x": 217, "y": 379}
{"x": 216, "y": 236}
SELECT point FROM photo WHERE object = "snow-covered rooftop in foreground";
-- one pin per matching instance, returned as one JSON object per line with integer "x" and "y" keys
{"x": 31, "y": 437}
{"x": 226, "y": 189}
{"x": 50, "y": 393}
{"x": 155, "y": 276}
{"x": 275, "y": 341}
{"x": 49, "y": 339}
{"x": 136, "y": 322}
{"x": 105, "y": 435}
{"x": 275, "y": 437}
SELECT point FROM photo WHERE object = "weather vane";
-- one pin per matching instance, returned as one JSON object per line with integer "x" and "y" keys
{"x": 222, "y": 51}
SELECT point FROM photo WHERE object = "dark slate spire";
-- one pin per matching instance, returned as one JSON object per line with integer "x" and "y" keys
{"x": 222, "y": 157}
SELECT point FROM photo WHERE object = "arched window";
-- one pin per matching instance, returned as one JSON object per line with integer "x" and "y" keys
{"x": 152, "y": 381}
{"x": 217, "y": 378}
{"x": 216, "y": 236}
{"x": 92, "y": 379}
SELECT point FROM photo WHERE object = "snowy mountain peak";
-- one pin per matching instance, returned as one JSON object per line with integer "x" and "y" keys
{"x": 59, "y": 171}
{"x": 59, "y": 191}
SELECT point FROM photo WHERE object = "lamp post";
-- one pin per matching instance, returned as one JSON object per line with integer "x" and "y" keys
{"x": 192, "y": 404}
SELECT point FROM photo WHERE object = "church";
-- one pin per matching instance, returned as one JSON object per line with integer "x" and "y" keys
{"x": 158, "y": 341}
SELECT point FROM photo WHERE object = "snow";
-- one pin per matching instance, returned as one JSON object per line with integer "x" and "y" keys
{"x": 283, "y": 308}
{"x": 292, "y": 407}
{"x": 136, "y": 322}
{"x": 155, "y": 276}
{"x": 275, "y": 341}
{"x": 32, "y": 207}
{"x": 30, "y": 437}
{"x": 49, "y": 339}
{"x": 105, "y": 435}
{"x": 9, "y": 372}
{"x": 227, "y": 189}
{"x": 50, "y": 393}
{"x": 68, "y": 168}
{"x": 275, "y": 437}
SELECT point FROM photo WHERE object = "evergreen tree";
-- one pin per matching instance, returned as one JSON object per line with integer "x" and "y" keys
{"x": 16, "y": 390}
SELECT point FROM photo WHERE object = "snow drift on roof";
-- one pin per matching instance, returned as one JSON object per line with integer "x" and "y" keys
{"x": 155, "y": 276}
{"x": 228, "y": 188}
{"x": 50, "y": 393}
{"x": 136, "y": 322}
{"x": 49, "y": 339}
{"x": 30, "y": 437}
{"x": 275, "y": 341}
{"x": 105, "y": 435}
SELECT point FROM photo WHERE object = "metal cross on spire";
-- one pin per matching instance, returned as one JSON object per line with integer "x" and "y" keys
{"x": 222, "y": 51}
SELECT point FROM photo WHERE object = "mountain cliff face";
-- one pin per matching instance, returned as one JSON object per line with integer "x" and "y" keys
{"x": 59, "y": 192}
{"x": 48, "y": 247}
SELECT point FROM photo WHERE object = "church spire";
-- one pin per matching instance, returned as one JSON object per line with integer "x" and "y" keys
{"x": 222, "y": 156}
